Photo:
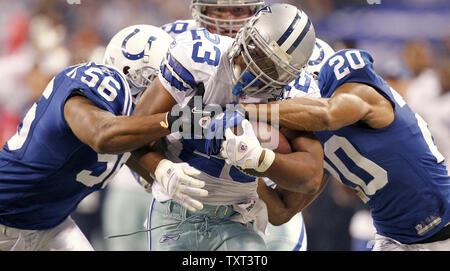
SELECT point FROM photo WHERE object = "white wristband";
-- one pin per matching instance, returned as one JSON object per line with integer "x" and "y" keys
{"x": 269, "y": 157}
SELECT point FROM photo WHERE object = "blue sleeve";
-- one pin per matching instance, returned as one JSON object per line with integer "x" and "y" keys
{"x": 103, "y": 85}
{"x": 350, "y": 66}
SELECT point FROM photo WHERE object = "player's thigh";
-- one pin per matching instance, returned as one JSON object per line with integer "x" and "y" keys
{"x": 124, "y": 212}
{"x": 168, "y": 228}
{"x": 67, "y": 236}
{"x": 239, "y": 237}
{"x": 11, "y": 239}
{"x": 438, "y": 246}
{"x": 288, "y": 236}
{"x": 125, "y": 205}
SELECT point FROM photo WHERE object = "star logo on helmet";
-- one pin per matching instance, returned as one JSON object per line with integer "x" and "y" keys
{"x": 265, "y": 9}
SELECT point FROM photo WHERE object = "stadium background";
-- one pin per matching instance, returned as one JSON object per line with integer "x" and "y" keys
{"x": 409, "y": 39}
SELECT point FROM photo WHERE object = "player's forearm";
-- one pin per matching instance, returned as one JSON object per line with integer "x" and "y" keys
{"x": 148, "y": 159}
{"x": 298, "y": 172}
{"x": 134, "y": 165}
{"x": 124, "y": 134}
{"x": 311, "y": 114}
{"x": 304, "y": 115}
{"x": 282, "y": 204}
{"x": 276, "y": 209}
{"x": 295, "y": 202}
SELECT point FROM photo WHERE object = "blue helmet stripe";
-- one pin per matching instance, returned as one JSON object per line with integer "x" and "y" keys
{"x": 290, "y": 29}
{"x": 300, "y": 37}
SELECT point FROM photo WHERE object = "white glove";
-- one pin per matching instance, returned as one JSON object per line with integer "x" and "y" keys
{"x": 245, "y": 150}
{"x": 177, "y": 179}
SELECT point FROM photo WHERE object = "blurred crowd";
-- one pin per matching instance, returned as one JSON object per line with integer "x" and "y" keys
{"x": 40, "y": 38}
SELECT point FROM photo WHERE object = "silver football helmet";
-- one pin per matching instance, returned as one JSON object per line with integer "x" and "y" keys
{"x": 223, "y": 26}
{"x": 271, "y": 50}
{"x": 321, "y": 53}
{"x": 137, "y": 51}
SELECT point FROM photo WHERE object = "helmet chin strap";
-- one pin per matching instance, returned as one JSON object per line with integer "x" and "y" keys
{"x": 134, "y": 89}
{"x": 136, "y": 97}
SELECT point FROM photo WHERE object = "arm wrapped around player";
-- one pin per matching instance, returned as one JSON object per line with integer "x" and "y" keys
{"x": 232, "y": 116}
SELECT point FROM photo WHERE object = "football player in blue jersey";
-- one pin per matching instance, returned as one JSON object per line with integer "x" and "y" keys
{"x": 75, "y": 138}
{"x": 374, "y": 143}
{"x": 198, "y": 59}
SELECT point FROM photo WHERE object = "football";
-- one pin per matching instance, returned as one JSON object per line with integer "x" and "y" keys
{"x": 270, "y": 138}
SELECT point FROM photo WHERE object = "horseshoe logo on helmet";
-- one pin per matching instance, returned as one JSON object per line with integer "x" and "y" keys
{"x": 139, "y": 55}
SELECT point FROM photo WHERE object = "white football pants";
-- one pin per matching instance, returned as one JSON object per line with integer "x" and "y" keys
{"x": 383, "y": 243}
{"x": 64, "y": 237}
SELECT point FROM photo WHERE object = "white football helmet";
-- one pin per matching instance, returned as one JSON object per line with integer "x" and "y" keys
{"x": 137, "y": 51}
{"x": 274, "y": 46}
{"x": 222, "y": 26}
{"x": 321, "y": 53}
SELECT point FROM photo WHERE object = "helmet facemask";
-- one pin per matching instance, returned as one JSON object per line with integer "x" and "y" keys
{"x": 140, "y": 79}
{"x": 223, "y": 26}
{"x": 267, "y": 68}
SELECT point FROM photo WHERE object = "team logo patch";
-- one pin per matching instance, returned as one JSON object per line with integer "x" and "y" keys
{"x": 204, "y": 122}
{"x": 242, "y": 147}
{"x": 169, "y": 237}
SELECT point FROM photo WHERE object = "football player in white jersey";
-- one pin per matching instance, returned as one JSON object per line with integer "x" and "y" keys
{"x": 199, "y": 59}
{"x": 73, "y": 140}
{"x": 226, "y": 18}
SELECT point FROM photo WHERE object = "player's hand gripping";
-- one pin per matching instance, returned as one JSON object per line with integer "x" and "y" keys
{"x": 178, "y": 179}
{"x": 245, "y": 150}
{"x": 231, "y": 117}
